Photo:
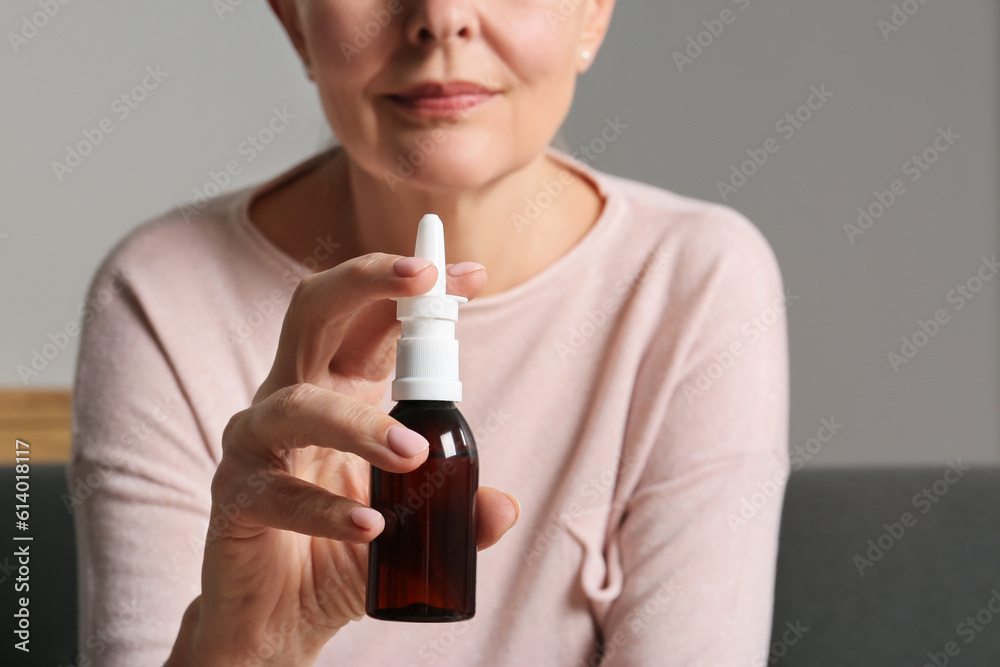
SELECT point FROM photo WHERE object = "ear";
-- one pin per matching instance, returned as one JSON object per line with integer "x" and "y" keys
{"x": 596, "y": 20}
{"x": 287, "y": 12}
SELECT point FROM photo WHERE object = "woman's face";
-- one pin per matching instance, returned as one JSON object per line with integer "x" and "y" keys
{"x": 445, "y": 94}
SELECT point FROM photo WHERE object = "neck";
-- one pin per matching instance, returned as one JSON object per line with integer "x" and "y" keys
{"x": 477, "y": 223}
{"x": 492, "y": 225}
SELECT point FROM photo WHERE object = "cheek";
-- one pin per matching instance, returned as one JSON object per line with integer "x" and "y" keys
{"x": 540, "y": 59}
{"x": 343, "y": 36}
{"x": 537, "y": 49}
{"x": 348, "y": 42}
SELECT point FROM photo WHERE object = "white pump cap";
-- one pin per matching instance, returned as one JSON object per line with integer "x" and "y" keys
{"x": 427, "y": 352}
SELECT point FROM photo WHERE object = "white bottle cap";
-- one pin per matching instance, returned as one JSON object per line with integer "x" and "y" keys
{"x": 427, "y": 352}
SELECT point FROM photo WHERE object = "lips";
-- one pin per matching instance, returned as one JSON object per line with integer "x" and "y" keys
{"x": 435, "y": 99}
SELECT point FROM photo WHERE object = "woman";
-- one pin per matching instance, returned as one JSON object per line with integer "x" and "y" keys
{"x": 617, "y": 375}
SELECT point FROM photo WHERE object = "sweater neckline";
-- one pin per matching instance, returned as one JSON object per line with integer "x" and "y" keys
{"x": 562, "y": 271}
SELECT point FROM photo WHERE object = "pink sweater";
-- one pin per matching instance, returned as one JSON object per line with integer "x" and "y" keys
{"x": 633, "y": 396}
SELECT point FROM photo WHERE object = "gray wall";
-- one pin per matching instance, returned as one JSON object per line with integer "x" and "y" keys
{"x": 688, "y": 124}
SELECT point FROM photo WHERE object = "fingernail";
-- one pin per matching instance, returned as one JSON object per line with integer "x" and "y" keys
{"x": 365, "y": 517}
{"x": 410, "y": 266}
{"x": 405, "y": 442}
{"x": 517, "y": 506}
{"x": 463, "y": 268}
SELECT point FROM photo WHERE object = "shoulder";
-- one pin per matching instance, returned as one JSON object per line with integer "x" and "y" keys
{"x": 185, "y": 251}
{"x": 698, "y": 241}
{"x": 190, "y": 294}
{"x": 204, "y": 279}
{"x": 703, "y": 231}
{"x": 171, "y": 239}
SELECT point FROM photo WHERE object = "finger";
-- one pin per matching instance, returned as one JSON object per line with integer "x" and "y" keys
{"x": 367, "y": 350}
{"x": 496, "y": 513}
{"x": 326, "y": 304}
{"x": 304, "y": 415}
{"x": 466, "y": 279}
{"x": 290, "y": 503}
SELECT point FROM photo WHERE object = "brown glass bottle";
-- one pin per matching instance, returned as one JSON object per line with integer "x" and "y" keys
{"x": 422, "y": 567}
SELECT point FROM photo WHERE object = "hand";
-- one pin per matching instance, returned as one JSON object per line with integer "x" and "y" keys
{"x": 285, "y": 564}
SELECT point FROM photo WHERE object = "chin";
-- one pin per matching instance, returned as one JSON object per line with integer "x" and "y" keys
{"x": 442, "y": 168}
{"x": 447, "y": 181}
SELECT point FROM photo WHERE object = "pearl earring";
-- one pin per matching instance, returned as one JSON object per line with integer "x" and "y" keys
{"x": 585, "y": 55}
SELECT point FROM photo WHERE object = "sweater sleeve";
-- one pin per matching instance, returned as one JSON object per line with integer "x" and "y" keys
{"x": 139, "y": 478}
{"x": 697, "y": 541}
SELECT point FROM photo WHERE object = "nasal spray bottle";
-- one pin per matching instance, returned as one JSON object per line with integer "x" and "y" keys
{"x": 422, "y": 567}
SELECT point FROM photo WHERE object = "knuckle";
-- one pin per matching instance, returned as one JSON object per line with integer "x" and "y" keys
{"x": 220, "y": 483}
{"x": 233, "y": 433}
{"x": 294, "y": 502}
{"x": 288, "y": 402}
{"x": 234, "y": 449}
{"x": 365, "y": 418}
{"x": 286, "y": 498}
{"x": 360, "y": 269}
{"x": 302, "y": 289}
{"x": 300, "y": 298}
{"x": 356, "y": 272}
{"x": 222, "y": 487}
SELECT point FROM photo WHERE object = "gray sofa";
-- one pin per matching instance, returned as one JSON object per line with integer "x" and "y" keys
{"x": 881, "y": 567}
{"x": 904, "y": 598}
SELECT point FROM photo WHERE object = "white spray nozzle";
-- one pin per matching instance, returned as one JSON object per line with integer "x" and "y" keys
{"x": 427, "y": 352}
{"x": 430, "y": 245}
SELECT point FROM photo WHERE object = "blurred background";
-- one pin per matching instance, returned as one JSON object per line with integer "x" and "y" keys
{"x": 861, "y": 138}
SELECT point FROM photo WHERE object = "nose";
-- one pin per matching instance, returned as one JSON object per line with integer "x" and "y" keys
{"x": 441, "y": 21}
